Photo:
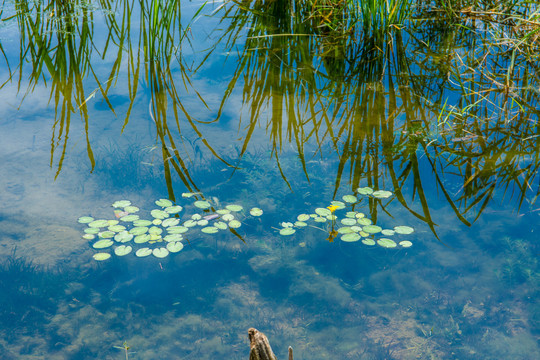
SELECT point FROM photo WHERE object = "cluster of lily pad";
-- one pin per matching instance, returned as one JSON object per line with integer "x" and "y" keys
{"x": 161, "y": 235}
{"x": 354, "y": 226}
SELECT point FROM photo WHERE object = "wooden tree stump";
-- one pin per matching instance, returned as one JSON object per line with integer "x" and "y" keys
{"x": 260, "y": 348}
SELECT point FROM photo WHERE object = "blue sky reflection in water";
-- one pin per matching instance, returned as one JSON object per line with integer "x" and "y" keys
{"x": 466, "y": 288}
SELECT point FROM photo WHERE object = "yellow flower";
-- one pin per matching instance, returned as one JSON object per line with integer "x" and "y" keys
{"x": 332, "y": 208}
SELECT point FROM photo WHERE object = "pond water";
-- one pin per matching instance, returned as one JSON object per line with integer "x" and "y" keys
{"x": 224, "y": 109}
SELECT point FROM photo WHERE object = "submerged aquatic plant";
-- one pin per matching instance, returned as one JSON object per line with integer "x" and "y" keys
{"x": 356, "y": 225}
{"x": 163, "y": 234}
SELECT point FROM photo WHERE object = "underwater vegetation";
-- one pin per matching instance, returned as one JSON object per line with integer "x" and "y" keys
{"x": 165, "y": 233}
{"x": 354, "y": 226}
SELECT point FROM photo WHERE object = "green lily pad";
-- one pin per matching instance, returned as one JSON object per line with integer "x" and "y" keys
{"x": 369, "y": 242}
{"x": 173, "y": 237}
{"x": 85, "y": 219}
{"x": 123, "y": 237}
{"x": 202, "y": 222}
{"x": 112, "y": 222}
{"x": 155, "y": 230}
{"x": 131, "y": 209}
{"x": 372, "y": 229}
{"x": 345, "y": 230}
{"x": 160, "y": 252}
{"x": 360, "y": 215}
{"x": 116, "y": 228}
{"x": 99, "y": 223}
{"x": 363, "y": 234}
{"x": 101, "y": 244}
{"x": 190, "y": 223}
{"x": 351, "y": 199}
{"x": 141, "y": 239}
{"x": 331, "y": 217}
{"x": 139, "y": 230}
{"x": 173, "y": 209}
{"x": 234, "y": 224}
{"x": 175, "y": 247}
{"x": 227, "y": 217}
{"x": 348, "y": 221}
{"x": 235, "y": 208}
{"x": 202, "y": 204}
{"x": 143, "y": 252}
{"x": 223, "y": 211}
{"x": 156, "y": 222}
{"x": 88, "y": 236}
{"x": 364, "y": 190}
{"x": 210, "y": 230}
{"x": 159, "y": 214}
{"x": 405, "y": 243}
{"x": 388, "y": 232}
{"x": 303, "y": 217}
{"x": 323, "y": 211}
{"x": 339, "y": 204}
{"x": 287, "y": 231}
{"x": 142, "y": 222}
{"x": 121, "y": 203}
{"x": 382, "y": 194}
{"x": 163, "y": 202}
{"x": 91, "y": 230}
{"x": 106, "y": 234}
{"x": 256, "y": 211}
{"x": 220, "y": 225}
{"x": 170, "y": 222}
{"x": 351, "y": 214}
{"x": 387, "y": 243}
{"x": 287, "y": 224}
{"x": 300, "y": 224}
{"x": 188, "y": 195}
{"x": 352, "y": 237}
{"x": 320, "y": 219}
{"x": 356, "y": 228}
{"x": 177, "y": 229}
{"x": 405, "y": 230}
{"x": 364, "y": 221}
{"x": 101, "y": 256}
{"x": 123, "y": 250}
{"x": 130, "y": 218}
{"x": 196, "y": 217}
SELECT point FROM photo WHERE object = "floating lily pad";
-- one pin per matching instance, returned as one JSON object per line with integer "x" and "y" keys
{"x": 351, "y": 199}
{"x": 177, "y": 229}
{"x": 156, "y": 222}
{"x": 101, "y": 244}
{"x": 360, "y": 215}
{"x": 163, "y": 202}
{"x": 339, "y": 204}
{"x": 124, "y": 236}
{"x": 98, "y": 223}
{"x": 88, "y": 236}
{"x": 363, "y": 234}
{"x": 130, "y": 218}
{"x": 235, "y": 208}
{"x": 138, "y": 230}
{"x": 190, "y": 223}
{"x": 364, "y": 190}
{"x": 141, "y": 239}
{"x": 131, "y": 209}
{"x": 323, "y": 211}
{"x": 382, "y": 194}
{"x": 369, "y": 242}
{"x": 121, "y": 203}
{"x": 234, "y": 224}
{"x": 116, "y": 228}
{"x": 364, "y": 221}
{"x": 352, "y": 237}
{"x": 220, "y": 225}
{"x": 348, "y": 221}
{"x": 287, "y": 224}
{"x": 91, "y": 230}
{"x": 173, "y": 209}
{"x": 101, "y": 256}
{"x": 85, "y": 219}
{"x": 303, "y": 217}
{"x": 112, "y": 222}
{"x": 320, "y": 219}
{"x": 405, "y": 243}
{"x": 331, "y": 217}
{"x": 143, "y": 252}
{"x": 372, "y": 229}
{"x": 123, "y": 250}
{"x": 287, "y": 231}
{"x": 202, "y": 222}
{"x": 227, "y": 217}
{"x": 175, "y": 247}
{"x": 202, "y": 204}
{"x": 356, "y": 228}
{"x": 196, "y": 217}
{"x": 223, "y": 211}
{"x": 106, "y": 234}
{"x": 404, "y": 229}
{"x": 188, "y": 195}
{"x": 170, "y": 222}
{"x": 345, "y": 230}
{"x": 159, "y": 214}
{"x": 351, "y": 214}
{"x": 256, "y": 212}
{"x": 173, "y": 237}
{"x": 387, "y": 243}
{"x": 300, "y": 224}
{"x": 210, "y": 230}
{"x": 142, "y": 222}
{"x": 155, "y": 230}
{"x": 388, "y": 232}
{"x": 160, "y": 252}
